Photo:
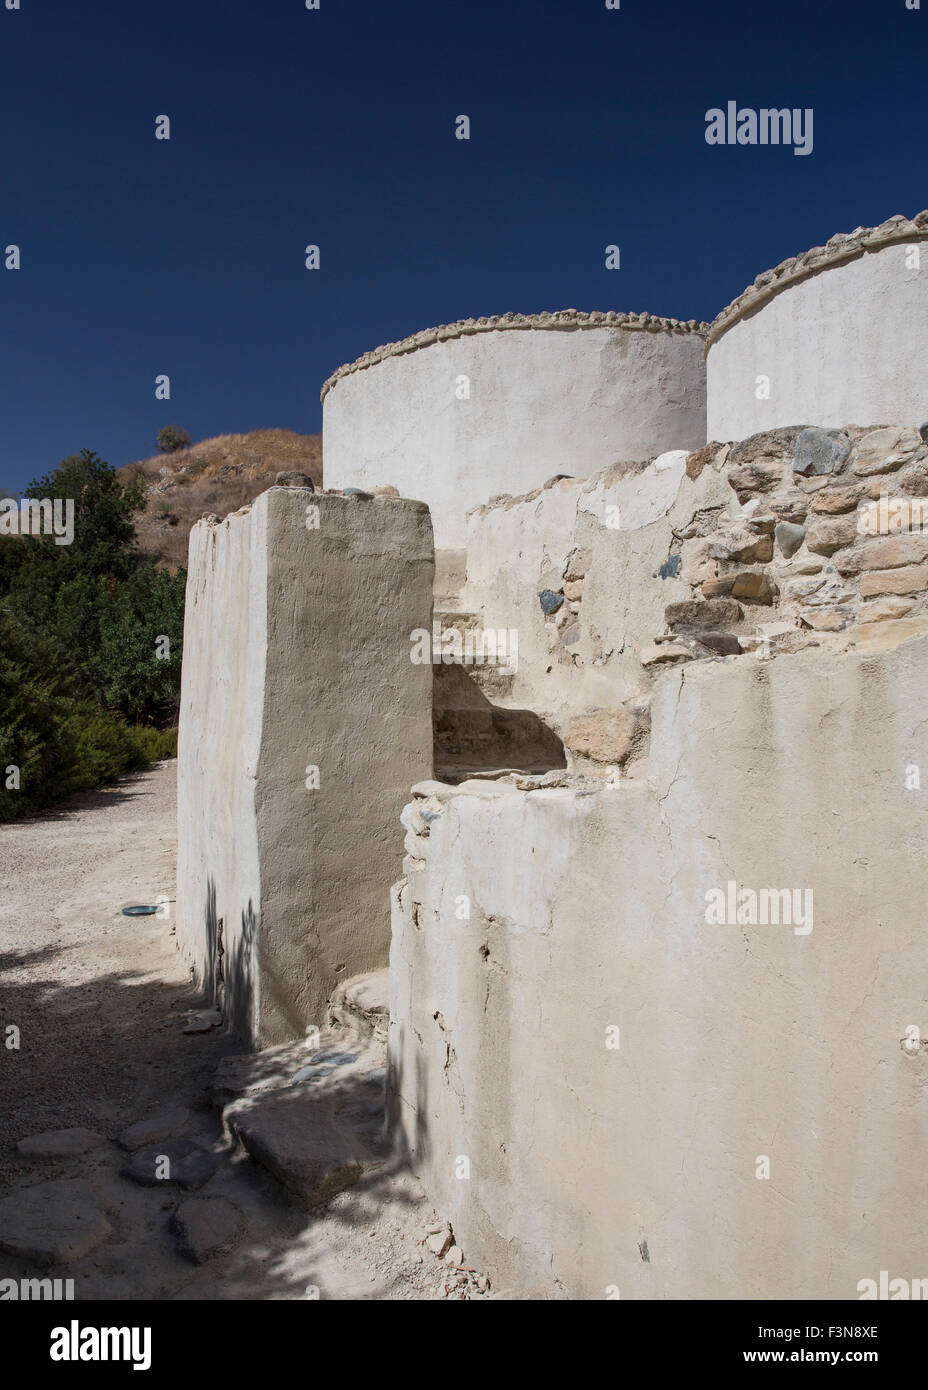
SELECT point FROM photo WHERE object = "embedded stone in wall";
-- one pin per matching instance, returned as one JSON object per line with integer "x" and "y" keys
{"x": 607, "y": 736}
{"x": 753, "y": 586}
{"x": 838, "y": 499}
{"x": 741, "y": 543}
{"x": 825, "y": 537}
{"x": 821, "y": 451}
{"x": 754, "y": 477}
{"x": 884, "y": 636}
{"x": 789, "y": 537}
{"x": 882, "y": 451}
{"x": 910, "y": 579}
{"x": 882, "y": 609}
{"x": 711, "y": 613}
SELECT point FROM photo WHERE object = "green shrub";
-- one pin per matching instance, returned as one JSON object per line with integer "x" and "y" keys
{"x": 61, "y": 747}
{"x": 151, "y": 745}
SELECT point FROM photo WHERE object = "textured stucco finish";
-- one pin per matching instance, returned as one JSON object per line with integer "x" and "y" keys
{"x": 542, "y": 401}
{"x": 736, "y": 1041}
{"x": 846, "y": 344}
{"x": 297, "y": 653}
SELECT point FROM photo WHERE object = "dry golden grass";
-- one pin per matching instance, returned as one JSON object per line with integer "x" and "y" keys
{"x": 217, "y": 475}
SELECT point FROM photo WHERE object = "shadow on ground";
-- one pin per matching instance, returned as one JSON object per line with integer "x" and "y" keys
{"x": 111, "y": 1052}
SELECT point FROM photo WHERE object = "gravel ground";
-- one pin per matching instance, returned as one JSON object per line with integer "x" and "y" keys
{"x": 100, "y": 1001}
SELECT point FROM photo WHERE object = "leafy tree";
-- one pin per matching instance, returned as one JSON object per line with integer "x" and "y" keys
{"x": 104, "y": 533}
{"x": 141, "y": 637}
{"x": 79, "y": 642}
{"x": 171, "y": 438}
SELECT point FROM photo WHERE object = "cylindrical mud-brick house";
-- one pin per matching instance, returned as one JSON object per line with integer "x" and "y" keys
{"x": 456, "y": 415}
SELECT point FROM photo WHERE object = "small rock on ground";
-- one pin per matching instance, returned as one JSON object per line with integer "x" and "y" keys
{"x": 52, "y": 1223}
{"x": 207, "y": 1227}
{"x": 188, "y": 1165}
{"x": 59, "y": 1143}
{"x": 152, "y": 1130}
{"x": 203, "y": 1022}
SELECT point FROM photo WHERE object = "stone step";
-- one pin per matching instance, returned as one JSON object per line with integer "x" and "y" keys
{"x": 313, "y": 1116}
{"x": 450, "y": 578}
{"x": 314, "y": 1120}
{"x": 314, "y": 1139}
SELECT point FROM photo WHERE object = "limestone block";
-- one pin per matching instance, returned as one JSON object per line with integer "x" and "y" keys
{"x": 754, "y": 477}
{"x": 741, "y": 543}
{"x": 754, "y": 586}
{"x": 708, "y": 613}
{"x": 882, "y": 451}
{"x": 605, "y": 736}
{"x": 910, "y": 579}
{"x": 825, "y": 537}
{"x": 838, "y": 499}
{"x": 882, "y": 609}
{"x": 883, "y": 636}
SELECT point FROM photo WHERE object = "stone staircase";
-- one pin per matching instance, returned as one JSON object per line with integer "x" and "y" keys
{"x": 473, "y": 736}
{"x": 311, "y": 1112}
{"x": 495, "y": 682}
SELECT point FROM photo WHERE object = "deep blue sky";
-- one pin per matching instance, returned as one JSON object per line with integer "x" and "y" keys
{"x": 336, "y": 127}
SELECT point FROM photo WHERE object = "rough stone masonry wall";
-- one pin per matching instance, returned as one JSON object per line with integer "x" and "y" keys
{"x": 839, "y": 333}
{"x": 745, "y": 549}
{"x": 297, "y": 654}
{"x": 529, "y": 926}
{"x": 545, "y": 393}
{"x": 809, "y": 554}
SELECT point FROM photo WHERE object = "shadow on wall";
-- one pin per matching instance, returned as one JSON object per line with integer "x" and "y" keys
{"x": 229, "y": 970}
{"x": 472, "y": 735}
{"x": 395, "y": 1131}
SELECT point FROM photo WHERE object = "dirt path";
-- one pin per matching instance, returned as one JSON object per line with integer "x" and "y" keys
{"x": 100, "y": 1001}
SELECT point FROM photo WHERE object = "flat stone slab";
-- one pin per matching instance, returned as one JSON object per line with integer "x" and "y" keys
{"x": 178, "y": 1162}
{"x": 323, "y": 1064}
{"x": 203, "y": 1022}
{"x": 52, "y": 1223}
{"x": 154, "y": 1129}
{"x": 207, "y": 1227}
{"x": 315, "y": 1143}
{"x": 59, "y": 1143}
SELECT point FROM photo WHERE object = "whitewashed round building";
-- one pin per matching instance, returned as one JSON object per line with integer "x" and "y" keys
{"x": 836, "y": 336}
{"x": 455, "y": 415}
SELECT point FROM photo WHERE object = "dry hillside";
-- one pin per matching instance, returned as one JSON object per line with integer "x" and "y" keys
{"x": 217, "y": 475}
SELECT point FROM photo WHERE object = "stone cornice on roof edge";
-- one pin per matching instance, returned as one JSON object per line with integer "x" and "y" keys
{"x": 559, "y": 319}
{"x": 839, "y": 249}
